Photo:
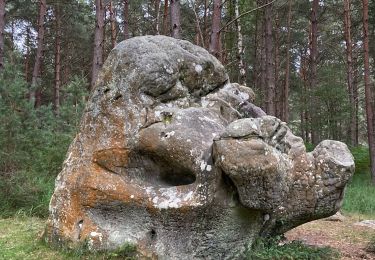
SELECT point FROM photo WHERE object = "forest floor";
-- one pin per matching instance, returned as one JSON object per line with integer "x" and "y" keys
{"x": 19, "y": 238}
{"x": 350, "y": 239}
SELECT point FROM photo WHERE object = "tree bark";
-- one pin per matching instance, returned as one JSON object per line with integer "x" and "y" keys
{"x": 278, "y": 90}
{"x": 27, "y": 54}
{"x": 349, "y": 70}
{"x": 56, "y": 89}
{"x": 240, "y": 49}
{"x": 165, "y": 18}
{"x": 97, "y": 61}
{"x": 157, "y": 16}
{"x": 113, "y": 24}
{"x": 35, "y": 92}
{"x": 205, "y": 27}
{"x": 270, "y": 61}
{"x": 355, "y": 95}
{"x": 126, "y": 19}
{"x": 175, "y": 19}
{"x": 2, "y": 27}
{"x": 313, "y": 68}
{"x": 199, "y": 35}
{"x": 214, "y": 47}
{"x": 368, "y": 93}
{"x": 285, "y": 116}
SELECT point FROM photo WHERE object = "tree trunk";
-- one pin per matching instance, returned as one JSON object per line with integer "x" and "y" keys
{"x": 56, "y": 90}
{"x": 126, "y": 19}
{"x": 27, "y": 55}
{"x": 270, "y": 61}
{"x": 113, "y": 24}
{"x": 2, "y": 27}
{"x": 35, "y": 91}
{"x": 97, "y": 61}
{"x": 349, "y": 71}
{"x": 214, "y": 47}
{"x": 199, "y": 35}
{"x": 205, "y": 27}
{"x": 240, "y": 50}
{"x": 278, "y": 89}
{"x": 368, "y": 93}
{"x": 285, "y": 116}
{"x": 313, "y": 69}
{"x": 175, "y": 19}
{"x": 165, "y": 18}
{"x": 355, "y": 96}
{"x": 157, "y": 16}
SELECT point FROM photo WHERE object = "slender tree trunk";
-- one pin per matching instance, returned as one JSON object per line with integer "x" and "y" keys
{"x": 35, "y": 92}
{"x": 270, "y": 60}
{"x": 56, "y": 90}
{"x": 285, "y": 116}
{"x": 349, "y": 72}
{"x": 175, "y": 19}
{"x": 2, "y": 27}
{"x": 199, "y": 35}
{"x": 126, "y": 19}
{"x": 240, "y": 49}
{"x": 355, "y": 96}
{"x": 263, "y": 64}
{"x": 27, "y": 55}
{"x": 278, "y": 89}
{"x": 113, "y": 24}
{"x": 165, "y": 18}
{"x": 214, "y": 47}
{"x": 368, "y": 92}
{"x": 205, "y": 27}
{"x": 157, "y": 16}
{"x": 313, "y": 69}
{"x": 97, "y": 61}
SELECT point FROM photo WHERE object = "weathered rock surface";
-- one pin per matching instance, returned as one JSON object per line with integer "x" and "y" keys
{"x": 172, "y": 157}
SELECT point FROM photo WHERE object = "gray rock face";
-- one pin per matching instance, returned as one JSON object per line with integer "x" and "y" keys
{"x": 174, "y": 158}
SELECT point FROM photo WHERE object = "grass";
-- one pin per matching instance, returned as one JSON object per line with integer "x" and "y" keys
{"x": 273, "y": 249}
{"x": 20, "y": 238}
{"x": 360, "y": 196}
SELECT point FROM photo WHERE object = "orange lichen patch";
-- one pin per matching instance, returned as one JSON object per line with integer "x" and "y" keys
{"x": 111, "y": 158}
{"x": 103, "y": 186}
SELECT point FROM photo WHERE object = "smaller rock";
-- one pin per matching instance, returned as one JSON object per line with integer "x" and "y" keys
{"x": 338, "y": 217}
{"x": 366, "y": 223}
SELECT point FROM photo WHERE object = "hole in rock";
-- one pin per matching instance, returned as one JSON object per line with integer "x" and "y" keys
{"x": 118, "y": 96}
{"x": 106, "y": 90}
{"x": 176, "y": 177}
{"x": 79, "y": 227}
{"x": 153, "y": 234}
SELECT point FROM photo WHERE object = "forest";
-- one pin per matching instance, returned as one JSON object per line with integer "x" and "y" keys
{"x": 310, "y": 63}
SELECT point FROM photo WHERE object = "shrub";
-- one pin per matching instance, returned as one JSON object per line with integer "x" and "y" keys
{"x": 33, "y": 143}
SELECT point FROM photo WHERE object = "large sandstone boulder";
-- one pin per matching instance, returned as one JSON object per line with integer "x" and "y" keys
{"x": 175, "y": 159}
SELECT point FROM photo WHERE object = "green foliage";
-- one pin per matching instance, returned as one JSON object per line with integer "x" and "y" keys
{"x": 127, "y": 251}
{"x": 33, "y": 143}
{"x": 360, "y": 195}
{"x": 273, "y": 249}
{"x": 361, "y": 159}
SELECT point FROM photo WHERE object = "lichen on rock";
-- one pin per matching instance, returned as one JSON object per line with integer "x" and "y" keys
{"x": 175, "y": 159}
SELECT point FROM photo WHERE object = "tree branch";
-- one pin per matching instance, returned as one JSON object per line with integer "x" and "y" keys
{"x": 245, "y": 13}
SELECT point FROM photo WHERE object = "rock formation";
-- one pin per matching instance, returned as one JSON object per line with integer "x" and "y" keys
{"x": 175, "y": 159}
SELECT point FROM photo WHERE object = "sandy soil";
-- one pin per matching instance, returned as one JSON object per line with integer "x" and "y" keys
{"x": 351, "y": 240}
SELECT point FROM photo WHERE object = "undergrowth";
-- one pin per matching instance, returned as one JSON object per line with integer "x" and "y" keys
{"x": 33, "y": 143}
{"x": 360, "y": 193}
